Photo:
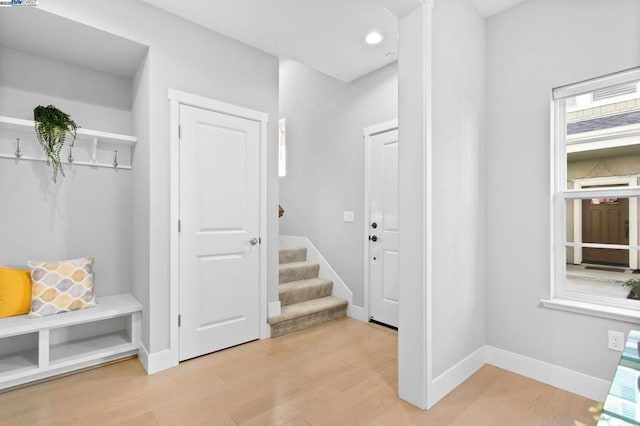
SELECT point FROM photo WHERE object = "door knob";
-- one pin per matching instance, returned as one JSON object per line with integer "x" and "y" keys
{"x": 253, "y": 241}
{"x": 373, "y": 238}
{"x": 374, "y": 225}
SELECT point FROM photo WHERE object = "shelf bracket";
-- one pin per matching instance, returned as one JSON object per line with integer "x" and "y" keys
{"x": 18, "y": 152}
{"x": 95, "y": 150}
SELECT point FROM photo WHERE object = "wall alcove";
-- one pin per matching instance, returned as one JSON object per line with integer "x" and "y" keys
{"x": 93, "y": 76}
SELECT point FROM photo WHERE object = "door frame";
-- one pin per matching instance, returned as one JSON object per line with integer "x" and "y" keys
{"x": 177, "y": 98}
{"x": 367, "y": 134}
{"x": 633, "y": 215}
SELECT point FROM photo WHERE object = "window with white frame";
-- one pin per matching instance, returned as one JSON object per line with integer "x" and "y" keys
{"x": 595, "y": 190}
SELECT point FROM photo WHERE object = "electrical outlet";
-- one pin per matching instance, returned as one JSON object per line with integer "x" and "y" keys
{"x": 616, "y": 340}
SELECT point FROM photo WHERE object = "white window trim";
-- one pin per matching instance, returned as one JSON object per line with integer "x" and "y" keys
{"x": 559, "y": 297}
{"x": 593, "y": 309}
{"x": 587, "y": 86}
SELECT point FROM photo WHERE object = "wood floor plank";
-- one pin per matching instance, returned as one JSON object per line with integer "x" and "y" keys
{"x": 400, "y": 413}
{"x": 14, "y": 421}
{"x": 118, "y": 407}
{"x": 298, "y": 421}
{"x": 449, "y": 408}
{"x": 288, "y": 411}
{"x": 331, "y": 409}
{"x": 343, "y": 372}
{"x": 145, "y": 419}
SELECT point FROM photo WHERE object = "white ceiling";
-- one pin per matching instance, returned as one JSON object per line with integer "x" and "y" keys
{"x": 324, "y": 34}
{"x": 51, "y": 36}
{"x": 489, "y": 8}
{"x": 327, "y": 35}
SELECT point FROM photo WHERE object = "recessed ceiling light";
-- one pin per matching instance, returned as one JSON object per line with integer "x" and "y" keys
{"x": 374, "y": 37}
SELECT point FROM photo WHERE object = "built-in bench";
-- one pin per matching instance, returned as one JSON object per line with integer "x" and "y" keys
{"x": 35, "y": 348}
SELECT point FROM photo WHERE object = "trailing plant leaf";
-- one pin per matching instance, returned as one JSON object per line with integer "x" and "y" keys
{"x": 52, "y": 126}
{"x": 634, "y": 286}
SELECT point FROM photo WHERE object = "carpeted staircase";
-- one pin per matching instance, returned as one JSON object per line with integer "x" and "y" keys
{"x": 305, "y": 298}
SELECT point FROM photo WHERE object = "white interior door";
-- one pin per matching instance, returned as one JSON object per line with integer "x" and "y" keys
{"x": 220, "y": 218}
{"x": 383, "y": 227}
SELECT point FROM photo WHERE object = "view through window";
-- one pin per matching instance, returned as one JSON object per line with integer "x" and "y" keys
{"x": 597, "y": 169}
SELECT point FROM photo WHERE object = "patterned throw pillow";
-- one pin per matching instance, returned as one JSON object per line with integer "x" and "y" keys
{"x": 61, "y": 286}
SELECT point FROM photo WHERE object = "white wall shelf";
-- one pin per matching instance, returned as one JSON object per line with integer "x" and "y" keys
{"x": 92, "y": 148}
{"x": 69, "y": 353}
{"x": 45, "y": 359}
{"x": 18, "y": 363}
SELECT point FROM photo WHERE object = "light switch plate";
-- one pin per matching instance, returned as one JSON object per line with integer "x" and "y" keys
{"x": 348, "y": 216}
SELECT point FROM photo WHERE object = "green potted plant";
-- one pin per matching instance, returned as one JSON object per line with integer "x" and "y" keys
{"x": 634, "y": 286}
{"x": 52, "y": 126}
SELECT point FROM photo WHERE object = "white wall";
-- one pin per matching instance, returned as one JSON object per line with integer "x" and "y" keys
{"x": 141, "y": 108}
{"x": 88, "y": 212}
{"x": 29, "y": 72}
{"x": 442, "y": 180}
{"x": 186, "y": 57}
{"x": 532, "y": 48}
{"x": 325, "y": 159}
{"x": 414, "y": 174}
{"x": 97, "y": 100}
{"x": 458, "y": 182}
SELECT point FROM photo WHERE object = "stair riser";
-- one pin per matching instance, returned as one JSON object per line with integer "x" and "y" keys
{"x": 301, "y": 295}
{"x": 306, "y": 272}
{"x": 293, "y": 255}
{"x": 296, "y": 324}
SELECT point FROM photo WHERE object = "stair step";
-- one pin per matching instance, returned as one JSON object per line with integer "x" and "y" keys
{"x": 297, "y": 271}
{"x": 291, "y": 254}
{"x": 300, "y": 291}
{"x": 306, "y": 314}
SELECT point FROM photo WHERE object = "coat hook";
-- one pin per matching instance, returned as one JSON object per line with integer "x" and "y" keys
{"x": 70, "y": 159}
{"x": 115, "y": 159}
{"x": 18, "y": 152}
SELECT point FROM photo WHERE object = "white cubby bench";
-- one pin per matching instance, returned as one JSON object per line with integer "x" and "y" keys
{"x": 36, "y": 348}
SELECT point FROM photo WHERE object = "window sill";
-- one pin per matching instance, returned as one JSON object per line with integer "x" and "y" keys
{"x": 610, "y": 312}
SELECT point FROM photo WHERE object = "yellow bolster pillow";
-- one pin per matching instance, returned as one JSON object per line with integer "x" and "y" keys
{"x": 15, "y": 292}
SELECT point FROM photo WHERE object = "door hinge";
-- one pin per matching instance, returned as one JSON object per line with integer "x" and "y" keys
{"x": 179, "y": 225}
{"x": 179, "y": 131}
{"x": 179, "y": 320}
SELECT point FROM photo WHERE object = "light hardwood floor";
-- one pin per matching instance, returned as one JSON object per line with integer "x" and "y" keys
{"x": 342, "y": 372}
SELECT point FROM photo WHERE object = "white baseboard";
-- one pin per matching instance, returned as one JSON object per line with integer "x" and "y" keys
{"x": 275, "y": 309}
{"x": 554, "y": 375}
{"x": 454, "y": 376}
{"x": 340, "y": 289}
{"x": 156, "y": 361}
{"x": 357, "y": 312}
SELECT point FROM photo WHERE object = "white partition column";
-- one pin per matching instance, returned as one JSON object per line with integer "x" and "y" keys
{"x": 414, "y": 206}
